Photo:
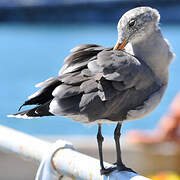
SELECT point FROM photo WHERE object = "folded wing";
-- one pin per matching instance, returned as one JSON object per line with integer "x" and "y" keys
{"x": 95, "y": 83}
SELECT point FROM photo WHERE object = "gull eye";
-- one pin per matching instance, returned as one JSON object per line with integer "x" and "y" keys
{"x": 132, "y": 22}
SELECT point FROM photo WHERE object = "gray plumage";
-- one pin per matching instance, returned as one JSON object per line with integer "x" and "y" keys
{"x": 98, "y": 84}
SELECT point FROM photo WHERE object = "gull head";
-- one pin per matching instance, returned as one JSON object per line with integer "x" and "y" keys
{"x": 136, "y": 24}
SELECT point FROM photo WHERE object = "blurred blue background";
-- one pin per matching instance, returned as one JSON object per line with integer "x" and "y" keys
{"x": 36, "y": 36}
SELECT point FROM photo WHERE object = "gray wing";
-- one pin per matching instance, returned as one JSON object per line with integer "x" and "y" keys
{"x": 79, "y": 91}
{"x": 123, "y": 70}
{"x": 80, "y": 57}
{"x": 107, "y": 86}
{"x": 126, "y": 84}
{"x": 95, "y": 83}
{"x": 64, "y": 90}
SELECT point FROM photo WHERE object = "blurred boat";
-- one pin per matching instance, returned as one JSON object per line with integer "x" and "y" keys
{"x": 84, "y": 11}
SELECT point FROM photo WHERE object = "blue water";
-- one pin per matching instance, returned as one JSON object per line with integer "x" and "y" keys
{"x": 32, "y": 53}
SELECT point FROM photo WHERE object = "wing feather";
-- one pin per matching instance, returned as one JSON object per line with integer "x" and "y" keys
{"x": 80, "y": 57}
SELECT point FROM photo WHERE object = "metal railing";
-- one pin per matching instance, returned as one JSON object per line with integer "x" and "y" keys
{"x": 66, "y": 161}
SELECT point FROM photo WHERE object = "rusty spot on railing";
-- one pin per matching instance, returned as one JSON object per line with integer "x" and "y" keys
{"x": 90, "y": 176}
{"x": 70, "y": 163}
{"x": 21, "y": 148}
{"x": 77, "y": 173}
{"x": 72, "y": 176}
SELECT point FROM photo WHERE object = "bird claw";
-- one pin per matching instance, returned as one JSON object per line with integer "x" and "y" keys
{"x": 107, "y": 171}
{"x": 122, "y": 167}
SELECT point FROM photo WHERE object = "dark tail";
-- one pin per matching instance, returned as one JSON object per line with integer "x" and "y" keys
{"x": 39, "y": 111}
{"x": 42, "y": 98}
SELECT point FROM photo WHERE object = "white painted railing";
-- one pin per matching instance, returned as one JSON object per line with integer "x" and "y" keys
{"x": 66, "y": 161}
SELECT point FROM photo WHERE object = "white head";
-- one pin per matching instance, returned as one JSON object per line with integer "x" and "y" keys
{"x": 140, "y": 28}
{"x": 136, "y": 24}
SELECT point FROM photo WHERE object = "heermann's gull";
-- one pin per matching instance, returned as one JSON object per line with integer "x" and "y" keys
{"x": 105, "y": 85}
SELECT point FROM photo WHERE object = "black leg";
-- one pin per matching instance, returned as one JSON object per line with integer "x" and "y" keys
{"x": 117, "y": 135}
{"x": 119, "y": 163}
{"x": 100, "y": 140}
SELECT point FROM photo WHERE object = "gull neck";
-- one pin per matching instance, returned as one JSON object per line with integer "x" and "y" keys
{"x": 155, "y": 52}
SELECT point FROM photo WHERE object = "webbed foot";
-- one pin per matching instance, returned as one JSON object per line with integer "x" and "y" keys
{"x": 122, "y": 167}
{"x": 107, "y": 171}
